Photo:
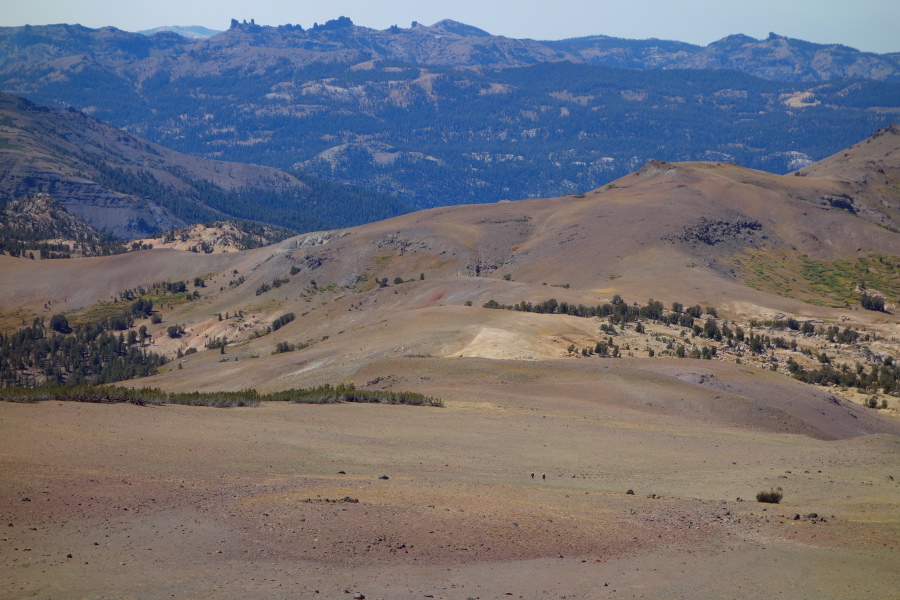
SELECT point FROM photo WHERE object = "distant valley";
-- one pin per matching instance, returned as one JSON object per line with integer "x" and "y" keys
{"x": 449, "y": 114}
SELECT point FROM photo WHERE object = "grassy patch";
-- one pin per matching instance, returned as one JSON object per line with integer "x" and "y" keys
{"x": 5, "y": 144}
{"x": 366, "y": 286}
{"x": 11, "y": 321}
{"x": 382, "y": 260}
{"x": 818, "y": 282}
{"x": 108, "y": 310}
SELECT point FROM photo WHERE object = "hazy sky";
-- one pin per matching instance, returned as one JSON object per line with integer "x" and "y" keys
{"x": 870, "y": 25}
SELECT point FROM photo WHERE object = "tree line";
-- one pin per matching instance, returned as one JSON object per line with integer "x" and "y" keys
{"x": 103, "y": 349}
{"x": 86, "y": 353}
{"x": 883, "y": 374}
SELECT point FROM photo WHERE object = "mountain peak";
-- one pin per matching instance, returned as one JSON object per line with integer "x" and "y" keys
{"x": 193, "y": 32}
{"x": 892, "y": 129}
{"x": 738, "y": 37}
{"x": 455, "y": 27}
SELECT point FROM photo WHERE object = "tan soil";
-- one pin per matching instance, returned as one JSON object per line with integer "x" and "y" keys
{"x": 156, "y": 502}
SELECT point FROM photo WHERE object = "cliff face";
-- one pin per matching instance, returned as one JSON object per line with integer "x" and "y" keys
{"x": 68, "y": 157}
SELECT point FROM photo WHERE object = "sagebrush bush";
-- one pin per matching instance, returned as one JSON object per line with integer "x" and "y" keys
{"x": 772, "y": 496}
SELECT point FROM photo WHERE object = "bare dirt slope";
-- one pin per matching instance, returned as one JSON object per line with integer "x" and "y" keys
{"x": 679, "y": 231}
{"x": 155, "y": 502}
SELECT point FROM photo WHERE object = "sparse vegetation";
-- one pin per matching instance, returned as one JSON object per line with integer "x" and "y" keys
{"x": 880, "y": 375}
{"x": 276, "y": 283}
{"x": 884, "y": 376}
{"x": 216, "y": 343}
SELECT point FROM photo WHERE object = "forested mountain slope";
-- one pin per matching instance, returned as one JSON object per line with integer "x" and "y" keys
{"x": 445, "y": 114}
{"x": 124, "y": 185}
{"x": 776, "y": 57}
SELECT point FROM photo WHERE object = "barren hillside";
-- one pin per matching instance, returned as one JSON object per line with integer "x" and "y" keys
{"x": 750, "y": 244}
{"x": 576, "y": 455}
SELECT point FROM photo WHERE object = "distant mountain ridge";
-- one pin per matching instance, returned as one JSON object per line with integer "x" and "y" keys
{"x": 446, "y": 113}
{"x": 452, "y": 43}
{"x": 449, "y": 43}
{"x": 776, "y": 57}
{"x": 194, "y": 32}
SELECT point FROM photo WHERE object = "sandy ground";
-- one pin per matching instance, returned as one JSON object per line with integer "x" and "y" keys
{"x": 120, "y": 501}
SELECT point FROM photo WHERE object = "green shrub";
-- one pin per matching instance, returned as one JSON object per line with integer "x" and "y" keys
{"x": 282, "y": 347}
{"x": 326, "y": 394}
{"x": 60, "y": 323}
{"x": 771, "y": 497}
